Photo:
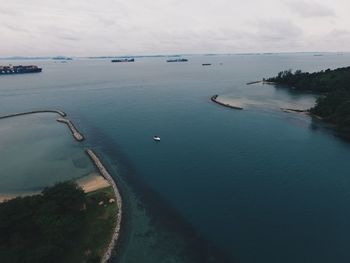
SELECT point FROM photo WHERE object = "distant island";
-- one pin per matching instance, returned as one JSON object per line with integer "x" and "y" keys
{"x": 333, "y": 105}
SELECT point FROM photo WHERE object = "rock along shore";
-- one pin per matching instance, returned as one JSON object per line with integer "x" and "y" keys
{"x": 214, "y": 99}
{"x": 61, "y": 113}
{"x": 76, "y": 134}
{"x": 254, "y": 82}
{"x": 103, "y": 171}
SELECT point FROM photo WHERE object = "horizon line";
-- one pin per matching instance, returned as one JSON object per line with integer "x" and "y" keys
{"x": 172, "y": 55}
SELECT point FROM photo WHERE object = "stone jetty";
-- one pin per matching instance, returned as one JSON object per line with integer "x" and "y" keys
{"x": 103, "y": 171}
{"x": 61, "y": 113}
{"x": 254, "y": 82}
{"x": 214, "y": 99}
{"x": 294, "y": 110}
{"x": 76, "y": 134}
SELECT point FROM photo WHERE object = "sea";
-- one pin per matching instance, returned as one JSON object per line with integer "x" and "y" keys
{"x": 223, "y": 185}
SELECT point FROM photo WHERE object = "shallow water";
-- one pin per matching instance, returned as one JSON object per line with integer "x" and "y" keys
{"x": 254, "y": 185}
{"x": 36, "y": 151}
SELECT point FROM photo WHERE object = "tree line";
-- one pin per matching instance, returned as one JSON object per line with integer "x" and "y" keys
{"x": 43, "y": 228}
{"x": 333, "y": 104}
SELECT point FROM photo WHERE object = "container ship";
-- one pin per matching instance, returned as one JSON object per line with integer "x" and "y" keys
{"x": 7, "y": 70}
{"x": 123, "y": 60}
{"x": 177, "y": 60}
{"x": 62, "y": 58}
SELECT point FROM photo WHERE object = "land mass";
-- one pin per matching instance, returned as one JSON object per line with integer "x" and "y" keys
{"x": 62, "y": 224}
{"x": 333, "y": 86}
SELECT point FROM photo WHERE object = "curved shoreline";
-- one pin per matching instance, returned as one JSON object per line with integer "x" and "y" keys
{"x": 214, "y": 99}
{"x": 306, "y": 112}
{"x": 103, "y": 171}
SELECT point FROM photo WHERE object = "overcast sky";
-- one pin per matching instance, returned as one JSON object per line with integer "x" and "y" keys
{"x": 118, "y": 27}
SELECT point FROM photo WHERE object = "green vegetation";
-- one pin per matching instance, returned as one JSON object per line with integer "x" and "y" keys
{"x": 334, "y": 105}
{"x": 63, "y": 224}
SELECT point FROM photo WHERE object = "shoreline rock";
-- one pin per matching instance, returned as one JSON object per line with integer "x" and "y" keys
{"x": 214, "y": 99}
{"x": 59, "y": 112}
{"x": 103, "y": 171}
{"x": 254, "y": 82}
{"x": 76, "y": 134}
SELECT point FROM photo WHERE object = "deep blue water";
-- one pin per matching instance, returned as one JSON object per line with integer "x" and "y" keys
{"x": 260, "y": 185}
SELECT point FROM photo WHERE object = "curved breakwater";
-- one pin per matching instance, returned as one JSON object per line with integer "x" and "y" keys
{"x": 103, "y": 171}
{"x": 59, "y": 112}
{"x": 214, "y": 99}
{"x": 76, "y": 134}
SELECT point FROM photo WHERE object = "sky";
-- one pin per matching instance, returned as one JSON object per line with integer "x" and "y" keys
{"x": 149, "y": 27}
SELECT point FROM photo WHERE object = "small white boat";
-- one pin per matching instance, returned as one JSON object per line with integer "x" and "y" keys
{"x": 156, "y": 138}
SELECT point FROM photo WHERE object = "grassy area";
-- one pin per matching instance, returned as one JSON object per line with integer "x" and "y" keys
{"x": 98, "y": 230}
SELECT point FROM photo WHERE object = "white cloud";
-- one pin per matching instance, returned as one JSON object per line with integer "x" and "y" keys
{"x": 117, "y": 27}
{"x": 311, "y": 9}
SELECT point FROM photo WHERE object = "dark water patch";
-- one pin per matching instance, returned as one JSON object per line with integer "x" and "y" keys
{"x": 80, "y": 162}
{"x": 169, "y": 227}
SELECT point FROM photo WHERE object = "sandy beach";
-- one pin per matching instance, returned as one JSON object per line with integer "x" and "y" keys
{"x": 89, "y": 183}
{"x": 233, "y": 102}
{"x": 92, "y": 182}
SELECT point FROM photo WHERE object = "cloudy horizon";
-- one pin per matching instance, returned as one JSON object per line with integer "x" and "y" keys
{"x": 115, "y": 27}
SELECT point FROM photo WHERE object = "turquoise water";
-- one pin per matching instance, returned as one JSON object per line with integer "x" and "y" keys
{"x": 257, "y": 185}
{"x": 36, "y": 151}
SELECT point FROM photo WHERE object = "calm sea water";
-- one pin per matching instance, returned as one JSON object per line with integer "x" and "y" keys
{"x": 257, "y": 185}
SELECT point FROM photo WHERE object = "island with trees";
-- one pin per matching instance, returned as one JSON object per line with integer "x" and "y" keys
{"x": 62, "y": 224}
{"x": 333, "y": 86}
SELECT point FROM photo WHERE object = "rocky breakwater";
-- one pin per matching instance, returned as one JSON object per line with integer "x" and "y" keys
{"x": 61, "y": 113}
{"x": 214, "y": 99}
{"x": 103, "y": 171}
{"x": 76, "y": 134}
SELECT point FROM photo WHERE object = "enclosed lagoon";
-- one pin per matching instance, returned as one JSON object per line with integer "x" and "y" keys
{"x": 36, "y": 151}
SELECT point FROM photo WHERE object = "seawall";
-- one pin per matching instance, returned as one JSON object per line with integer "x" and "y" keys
{"x": 103, "y": 171}
{"x": 76, "y": 134}
{"x": 61, "y": 113}
{"x": 214, "y": 99}
{"x": 254, "y": 82}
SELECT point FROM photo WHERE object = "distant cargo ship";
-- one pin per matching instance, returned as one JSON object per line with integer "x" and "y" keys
{"x": 177, "y": 60}
{"x": 6, "y": 70}
{"x": 62, "y": 58}
{"x": 123, "y": 60}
